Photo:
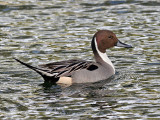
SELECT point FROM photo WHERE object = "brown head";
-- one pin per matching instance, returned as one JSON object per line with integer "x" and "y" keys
{"x": 106, "y": 39}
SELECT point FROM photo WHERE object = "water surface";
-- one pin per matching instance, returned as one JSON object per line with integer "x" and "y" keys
{"x": 38, "y": 31}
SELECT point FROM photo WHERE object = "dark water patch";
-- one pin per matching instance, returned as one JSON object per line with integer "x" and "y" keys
{"x": 23, "y": 37}
{"x": 149, "y": 72}
{"x": 95, "y": 10}
{"x": 1, "y": 26}
{"x": 114, "y": 2}
{"x": 151, "y": 64}
{"x": 54, "y": 7}
{"x": 149, "y": 11}
{"x": 106, "y": 3}
{"x": 129, "y": 85}
{"x": 3, "y": 35}
{"x": 26, "y": 7}
{"x": 28, "y": 28}
{"x": 89, "y": 4}
{"x": 7, "y": 8}
{"x": 122, "y": 11}
{"x": 150, "y": 3}
{"x": 35, "y": 45}
{"x": 52, "y": 29}
{"x": 43, "y": 14}
{"x": 9, "y": 91}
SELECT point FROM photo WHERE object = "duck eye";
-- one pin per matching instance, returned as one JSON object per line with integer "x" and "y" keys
{"x": 110, "y": 36}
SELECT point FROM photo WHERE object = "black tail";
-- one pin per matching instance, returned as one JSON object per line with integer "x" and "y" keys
{"x": 27, "y": 65}
{"x": 48, "y": 77}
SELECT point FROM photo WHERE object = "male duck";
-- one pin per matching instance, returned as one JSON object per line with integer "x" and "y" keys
{"x": 81, "y": 71}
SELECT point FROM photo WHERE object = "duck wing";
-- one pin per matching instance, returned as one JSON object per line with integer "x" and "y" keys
{"x": 66, "y": 68}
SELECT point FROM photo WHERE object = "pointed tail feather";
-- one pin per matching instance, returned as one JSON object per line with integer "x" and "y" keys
{"x": 29, "y": 66}
{"x": 25, "y": 64}
{"x": 44, "y": 73}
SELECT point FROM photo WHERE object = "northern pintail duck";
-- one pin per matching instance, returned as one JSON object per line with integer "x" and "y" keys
{"x": 81, "y": 71}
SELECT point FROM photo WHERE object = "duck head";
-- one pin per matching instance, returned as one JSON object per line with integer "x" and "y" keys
{"x": 105, "y": 39}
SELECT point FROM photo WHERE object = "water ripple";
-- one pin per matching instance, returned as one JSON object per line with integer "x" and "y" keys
{"x": 43, "y": 31}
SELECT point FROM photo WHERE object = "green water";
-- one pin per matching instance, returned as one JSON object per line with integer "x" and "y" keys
{"x": 42, "y": 31}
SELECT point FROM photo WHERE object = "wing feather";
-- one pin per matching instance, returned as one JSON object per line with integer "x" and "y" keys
{"x": 66, "y": 68}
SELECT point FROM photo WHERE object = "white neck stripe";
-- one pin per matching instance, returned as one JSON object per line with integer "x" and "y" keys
{"x": 103, "y": 56}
